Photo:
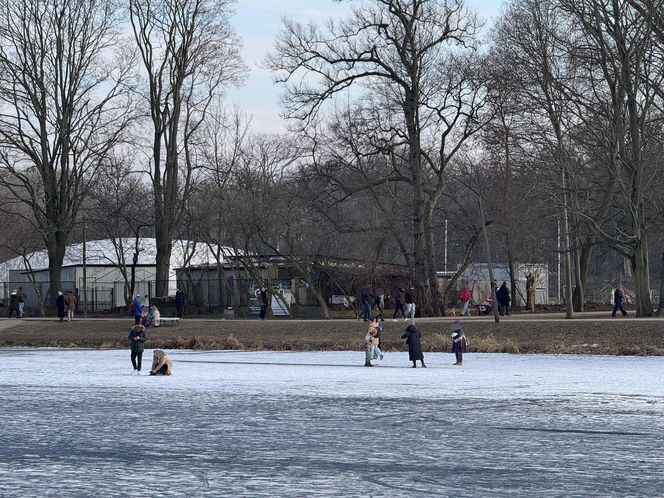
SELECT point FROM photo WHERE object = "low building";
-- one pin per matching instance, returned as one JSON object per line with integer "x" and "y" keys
{"x": 108, "y": 266}
{"x": 476, "y": 277}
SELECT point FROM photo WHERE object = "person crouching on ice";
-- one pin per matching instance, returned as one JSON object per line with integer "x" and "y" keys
{"x": 161, "y": 363}
{"x": 459, "y": 342}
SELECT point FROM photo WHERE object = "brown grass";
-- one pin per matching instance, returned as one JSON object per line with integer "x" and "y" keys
{"x": 617, "y": 337}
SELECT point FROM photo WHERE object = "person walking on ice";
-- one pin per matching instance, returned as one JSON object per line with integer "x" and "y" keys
{"x": 375, "y": 331}
{"x": 412, "y": 336}
{"x": 368, "y": 346}
{"x": 137, "y": 337}
{"x": 459, "y": 342}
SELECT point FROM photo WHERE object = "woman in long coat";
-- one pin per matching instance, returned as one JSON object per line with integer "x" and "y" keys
{"x": 412, "y": 336}
{"x": 60, "y": 305}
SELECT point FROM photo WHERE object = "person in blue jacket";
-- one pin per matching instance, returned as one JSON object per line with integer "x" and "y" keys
{"x": 138, "y": 309}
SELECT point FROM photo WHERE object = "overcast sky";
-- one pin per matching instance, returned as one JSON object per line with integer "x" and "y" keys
{"x": 258, "y": 22}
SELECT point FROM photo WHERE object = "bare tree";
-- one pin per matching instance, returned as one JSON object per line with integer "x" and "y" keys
{"x": 189, "y": 53}
{"x": 616, "y": 43}
{"x": 120, "y": 209}
{"x": 62, "y": 108}
{"x": 416, "y": 59}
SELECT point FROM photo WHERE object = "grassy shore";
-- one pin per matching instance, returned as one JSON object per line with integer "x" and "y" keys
{"x": 613, "y": 337}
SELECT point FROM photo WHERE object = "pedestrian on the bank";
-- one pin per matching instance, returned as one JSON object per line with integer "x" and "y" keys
{"x": 503, "y": 297}
{"x": 161, "y": 363}
{"x": 366, "y": 307}
{"x": 413, "y": 336}
{"x": 617, "y": 302}
{"x": 13, "y": 303}
{"x": 459, "y": 342}
{"x": 21, "y": 301}
{"x": 179, "y": 303}
{"x": 70, "y": 301}
{"x": 60, "y": 305}
{"x": 137, "y": 337}
{"x": 398, "y": 304}
{"x": 379, "y": 303}
{"x": 464, "y": 299}
{"x": 410, "y": 304}
{"x": 264, "y": 302}
{"x": 137, "y": 307}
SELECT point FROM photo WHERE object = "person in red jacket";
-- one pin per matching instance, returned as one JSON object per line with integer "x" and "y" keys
{"x": 464, "y": 299}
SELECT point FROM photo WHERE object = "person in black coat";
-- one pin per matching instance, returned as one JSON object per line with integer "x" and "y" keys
{"x": 617, "y": 302}
{"x": 179, "y": 302}
{"x": 398, "y": 304}
{"x": 264, "y": 302}
{"x": 412, "y": 336}
{"x": 137, "y": 337}
{"x": 60, "y": 305}
{"x": 503, "y": 297}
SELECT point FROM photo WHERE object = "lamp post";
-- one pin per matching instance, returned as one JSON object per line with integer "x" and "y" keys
{"x": 85, "y": 274}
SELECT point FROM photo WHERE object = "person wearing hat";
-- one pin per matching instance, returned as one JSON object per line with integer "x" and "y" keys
{"x": 137, "y": 309}
{"x": 412, "y": 336}
{"x": 137, "y": 337}
{"x": 375, "y": 331}
{"x": 368, "y": 343}
{"x": 60, "y": 305}
{"x": 458, "y": 342}
{"x": 13, "y": 304}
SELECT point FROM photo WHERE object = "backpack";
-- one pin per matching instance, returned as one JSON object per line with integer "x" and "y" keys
{"x": 132, "y": 307}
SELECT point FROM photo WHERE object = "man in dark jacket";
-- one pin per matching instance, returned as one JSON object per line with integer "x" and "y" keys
{"x": 503, "y": 297}
{"x": 13, "y": 304}
{"x": 617, "y": 302}
{"x": 21, "y": 302}
{"x": 264, "y": 302}
{"x": 366, "y": 307}
{"x": 398, "y": 304}
{"x": 179, "y": 303}
{"x": 137, "y": 337}
{"x": 412, "y": 336}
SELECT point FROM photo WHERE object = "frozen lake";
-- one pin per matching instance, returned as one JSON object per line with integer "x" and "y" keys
{"x": 78, "y": 423}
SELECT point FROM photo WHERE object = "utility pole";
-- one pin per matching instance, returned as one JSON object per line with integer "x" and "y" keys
{"x": 496, "y": 316}
{"x": 445, "y": 258}
{"x": 85, "y": 274}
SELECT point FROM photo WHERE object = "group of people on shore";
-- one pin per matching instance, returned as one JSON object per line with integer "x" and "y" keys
{"x": 17, "y": 302}
{"x": 66, "y": 305}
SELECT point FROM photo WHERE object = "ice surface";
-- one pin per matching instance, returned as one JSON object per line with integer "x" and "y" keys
{"x": 78, "y": 423}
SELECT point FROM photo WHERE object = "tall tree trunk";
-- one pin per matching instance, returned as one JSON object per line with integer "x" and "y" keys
{"x": 660, "y": 305}
{"x": 583, "y": 268}
{"x": 642, "y": 277}
{"x": 56, "y": 255}
{"x": 164, "y": 247}
{"x": 435, "y": 307}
